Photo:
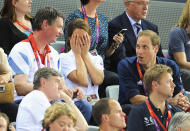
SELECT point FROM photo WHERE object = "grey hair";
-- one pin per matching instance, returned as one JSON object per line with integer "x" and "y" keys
{"x": 179, "y": 120}
{"x": 44, "y": 73}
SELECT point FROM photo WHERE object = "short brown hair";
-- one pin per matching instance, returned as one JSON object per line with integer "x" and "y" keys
{"x": 76, "y": 24}
{"x": 154, "y": 74}
{"x": 154, "y": 37}
{"x": 55, "y": 111}
{"x": 101, "y": 107}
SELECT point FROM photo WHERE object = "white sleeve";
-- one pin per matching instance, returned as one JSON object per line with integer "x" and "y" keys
{"x": 19, "y": 61}
{"x": 67, "y": 64}
{"x": 99, "y": 63}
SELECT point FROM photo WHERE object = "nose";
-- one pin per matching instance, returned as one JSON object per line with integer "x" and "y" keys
{"x": 173, "y": 85}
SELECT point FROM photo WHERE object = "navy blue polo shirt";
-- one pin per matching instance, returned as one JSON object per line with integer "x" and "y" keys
{"x": 130, "y": 82}
{"x": 139, "y": 118}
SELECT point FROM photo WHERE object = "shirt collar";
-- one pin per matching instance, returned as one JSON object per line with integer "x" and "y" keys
{"x": 34, "y": 44}
{"x": 132, "y": 21}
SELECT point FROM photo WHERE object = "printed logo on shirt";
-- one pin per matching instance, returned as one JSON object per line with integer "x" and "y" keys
{"x": 139, "y": 83}
{"x": 148, "y": 121}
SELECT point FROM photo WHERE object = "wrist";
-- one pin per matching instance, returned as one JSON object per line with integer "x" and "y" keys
{"x": 114, "y": 46}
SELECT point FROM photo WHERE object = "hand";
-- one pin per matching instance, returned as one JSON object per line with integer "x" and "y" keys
{"x": 85, "y": 46}
{"x": 118, "y": 38}
{"x": 75, "y": 42}
{"x": 2, "y": 80}
{"x": 80, "y": 34}
{"x": 65, "y": 97}
{"x": 69, "y": 92}
{"x": 11, "y": 128}
{"x": 180, "y": 101}
{"x": 80, "y": 93}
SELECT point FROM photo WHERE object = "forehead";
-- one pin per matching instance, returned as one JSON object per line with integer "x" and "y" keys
{"x": 141, "y": 0}
{"x": 166, "y": 75}
{"x": 55, "y": 78}
{"x": 144, "y": 40}
{"x": 114, "y": 105}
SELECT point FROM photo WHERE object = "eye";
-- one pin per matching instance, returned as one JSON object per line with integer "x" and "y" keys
{"x": 145, "y": 47}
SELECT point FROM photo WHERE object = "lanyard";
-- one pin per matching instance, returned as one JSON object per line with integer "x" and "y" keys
{"x": 24, "y": 26}
{"x": 154, "y": 117}
{"x": 97, "y": 24}
{"x": 36, "y": 54}
{"x": 141, "y": 77}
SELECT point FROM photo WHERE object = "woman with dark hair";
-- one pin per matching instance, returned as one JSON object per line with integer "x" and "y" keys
{"x": 78, "y": 66}
{"x": 99, "y": 40}
{"x": 15, "y": 23}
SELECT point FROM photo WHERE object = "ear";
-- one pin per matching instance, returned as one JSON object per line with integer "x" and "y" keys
{"x": 156, "y": 48}
{"x": 105, "y": 118}
{"x": 154, "y": 84}
{"x": 13, "y": 2}
{"x": 44, "y": 24}
{"x": 42, "y": 82}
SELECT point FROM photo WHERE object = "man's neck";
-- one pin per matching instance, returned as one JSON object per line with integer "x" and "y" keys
{"x": 151, "y": 63}
{"x": 158, "y": 101}
{"x": 108, "y": 128}
{"x": 40, "y": 41}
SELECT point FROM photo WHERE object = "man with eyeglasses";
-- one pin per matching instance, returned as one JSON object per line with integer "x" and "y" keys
{"x": 133, "y": 19}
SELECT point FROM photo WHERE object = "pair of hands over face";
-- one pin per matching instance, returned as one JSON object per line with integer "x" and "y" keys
{"x": 80, "y": 42}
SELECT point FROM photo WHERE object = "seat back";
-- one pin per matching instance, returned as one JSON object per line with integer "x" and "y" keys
{"x": 93, "y": 128}
{"x": 59, "y": 46}
{"x": 112, "y": 92}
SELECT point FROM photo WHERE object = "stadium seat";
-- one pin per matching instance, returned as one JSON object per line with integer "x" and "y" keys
{"x": 112, "y": 92}
{"x": 188, "y": 94}
{"x": 93, "y": 128}
{"x": 59, "y": 46}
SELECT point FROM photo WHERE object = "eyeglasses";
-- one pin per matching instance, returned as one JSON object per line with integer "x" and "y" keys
{"x": 141, "y": 3}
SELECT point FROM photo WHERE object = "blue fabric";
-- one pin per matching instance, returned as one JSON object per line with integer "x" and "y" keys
{"x": 103, "y": 26}
{"x": 130, "y": 82}
{"x": 85, "y": 108}
{"x": 179, "y": 41}
{"x": 140, "y": 120}
{"x": 14, "y": 66}
{"x": 25, "y": 58}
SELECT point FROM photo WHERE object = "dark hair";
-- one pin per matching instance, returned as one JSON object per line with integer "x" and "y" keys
{"x": 47, "y": 13}
{"x": 84, "y": 2}
{"x": 8, "y": 11}
{"x": 76, "y": 24}
{"x": 101, "y": 107}
{"x": 44, "y": 73}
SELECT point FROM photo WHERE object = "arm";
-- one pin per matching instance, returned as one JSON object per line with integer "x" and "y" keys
{"x": 181, "y": 60}
{"x": 23, "y": 87}
{"x": 81, "y": 124}
{"x": 80, "y": 75}
{"x": 5, "y": 70}
{"x": 137, "y": 99}
{"x": 129, "y": 91}
{"x": 96, "y": 75}
{"x": 118, "y": 39}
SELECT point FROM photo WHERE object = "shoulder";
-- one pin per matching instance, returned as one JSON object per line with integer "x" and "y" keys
{"x": 149, "y": 24}
{"x": 177, "y": 31}
{"x": 128, "y": 61}
{"x": 139, "y": 109}
{"x": 75, "y": 14}
{"x": 22, "y": 46}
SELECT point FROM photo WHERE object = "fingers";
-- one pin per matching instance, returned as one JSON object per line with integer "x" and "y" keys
{"x": 118, "y": 38}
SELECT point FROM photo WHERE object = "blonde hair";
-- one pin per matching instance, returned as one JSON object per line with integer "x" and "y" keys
{"x": 184, "y": 19}
{"x": 154, "y": 74}
{"x": 55, "y": 111}
{"x": 155, "y": 39}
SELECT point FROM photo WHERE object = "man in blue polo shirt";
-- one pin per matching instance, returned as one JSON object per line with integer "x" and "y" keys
{"x": 131, "y": 72}
{"x": 155, "y": 113}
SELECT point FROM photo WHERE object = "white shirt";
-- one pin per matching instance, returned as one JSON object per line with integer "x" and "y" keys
{"x": 133, "y": 24}
{"x": 31, "y": 111}
{"x": 22, "y": 61}
{"x": 67, "y": 64}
